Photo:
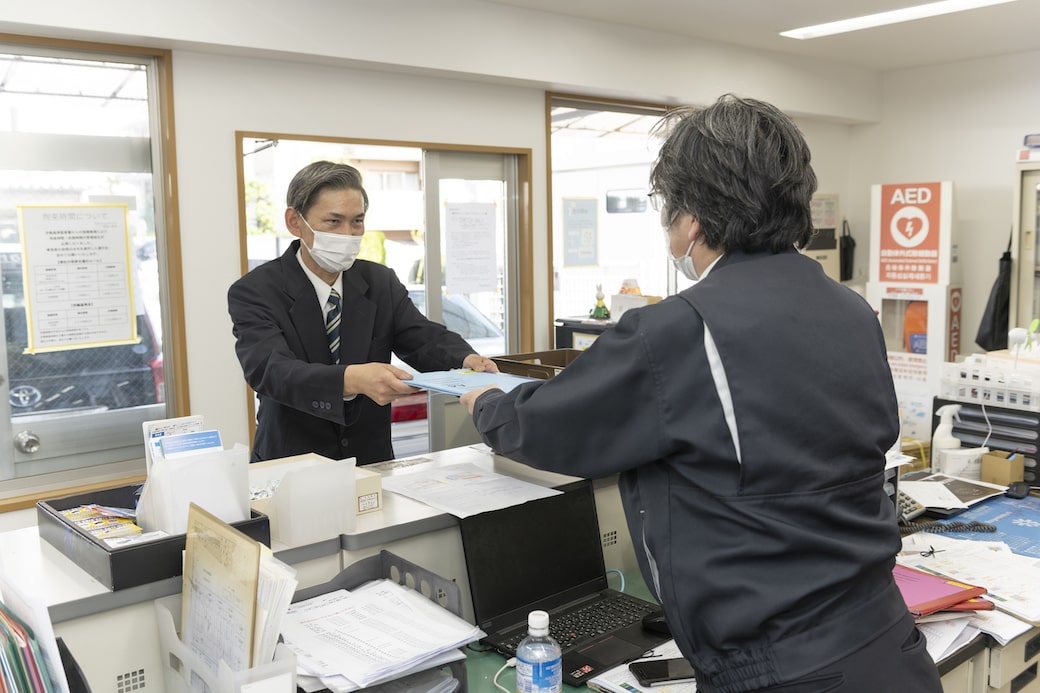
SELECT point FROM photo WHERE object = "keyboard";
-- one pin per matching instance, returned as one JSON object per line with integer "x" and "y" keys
{"x": 602, "y": 616}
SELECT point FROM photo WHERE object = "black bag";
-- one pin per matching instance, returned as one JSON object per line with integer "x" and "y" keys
{"x": 846, "y": 251}
{"x": 993, "y": 330}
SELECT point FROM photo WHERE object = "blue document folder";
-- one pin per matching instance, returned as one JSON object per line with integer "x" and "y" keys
{"x": 459, "y": 382}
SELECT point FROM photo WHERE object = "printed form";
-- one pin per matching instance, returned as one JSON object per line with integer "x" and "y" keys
{"x": 465, "y": 489}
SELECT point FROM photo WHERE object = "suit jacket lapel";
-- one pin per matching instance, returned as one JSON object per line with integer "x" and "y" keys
{"x": 306, "y": 316}
{"x": 359, "y": 318}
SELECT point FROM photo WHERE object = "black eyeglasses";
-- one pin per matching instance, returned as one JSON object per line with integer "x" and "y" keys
{"x": 656, "y": 200}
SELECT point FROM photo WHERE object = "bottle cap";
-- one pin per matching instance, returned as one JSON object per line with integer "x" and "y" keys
{"x": 538, "y": 620}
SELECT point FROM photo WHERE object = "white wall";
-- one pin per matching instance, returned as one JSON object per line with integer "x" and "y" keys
{"x": 962, "y": 123}
{"x": 469, "y": 39}
{"x": 468, "y": 72}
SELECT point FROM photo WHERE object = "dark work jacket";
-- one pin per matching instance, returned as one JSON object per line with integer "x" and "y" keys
{"x": 281, "y": 343}
{"x": 751, "y": 462}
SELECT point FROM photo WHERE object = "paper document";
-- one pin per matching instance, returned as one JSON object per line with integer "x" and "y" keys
{"x": 376, "y": 632}
{"x": 155, "y": 431}
{"x": 218, "y": 597}
{"x": 946, "y": 637}
{"x": 464, "y": 489}
{"x": 1010, "y": 580}
{"x": 945, "y": 491}
{"x": 459, "y": 382}
{"x": 621, "y": 680}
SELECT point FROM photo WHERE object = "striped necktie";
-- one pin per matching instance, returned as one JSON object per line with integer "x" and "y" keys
{"x": 332, "y": 325}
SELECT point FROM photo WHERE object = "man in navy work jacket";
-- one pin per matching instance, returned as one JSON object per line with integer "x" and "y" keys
{"x": 315, "y": 329}
{"x": 748, "y": 417}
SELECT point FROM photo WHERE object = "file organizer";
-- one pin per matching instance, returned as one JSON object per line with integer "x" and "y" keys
{"x": 390, "y": 566}
{"x": 1000, "y": 428}
{"x": 181, "y": 666}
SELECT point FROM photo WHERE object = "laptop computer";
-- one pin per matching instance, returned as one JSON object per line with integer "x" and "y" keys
{"x": 547, "y": 554}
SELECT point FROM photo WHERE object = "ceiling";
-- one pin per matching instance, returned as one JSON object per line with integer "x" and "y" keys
{"x": 997, "y": 30}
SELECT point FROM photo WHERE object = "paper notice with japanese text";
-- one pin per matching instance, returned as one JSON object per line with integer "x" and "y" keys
{"x": 76, "y": 264}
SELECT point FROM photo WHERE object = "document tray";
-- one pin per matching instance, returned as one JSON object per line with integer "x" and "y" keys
{"x": 130, "y": 565}
{"x": 390, "y": 566}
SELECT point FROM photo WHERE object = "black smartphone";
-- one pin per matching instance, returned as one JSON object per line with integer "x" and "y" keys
{"x": 654, "y": 672}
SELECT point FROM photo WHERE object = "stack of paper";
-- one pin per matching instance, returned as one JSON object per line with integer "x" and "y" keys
{"x": 378, "y": 632}
{"x": 227, "y": 573}
{"x": 1010, "y": 579}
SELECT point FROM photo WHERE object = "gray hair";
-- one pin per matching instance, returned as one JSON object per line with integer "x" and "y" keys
{"x": 741, "y": 168}
{"x": 313, "y": 178}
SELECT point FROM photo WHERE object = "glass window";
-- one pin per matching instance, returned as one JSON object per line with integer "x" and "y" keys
{"x": 604, "y": 231}
{"x": 78, "y": 133}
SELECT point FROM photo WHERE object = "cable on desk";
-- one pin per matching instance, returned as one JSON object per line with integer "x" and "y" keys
{"x": 620, "y": 575}
{"x": 511, "y": 662}
{"x": 946, "y": 527}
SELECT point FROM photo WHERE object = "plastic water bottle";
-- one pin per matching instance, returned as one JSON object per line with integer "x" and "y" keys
{"x": 538, "y": 664}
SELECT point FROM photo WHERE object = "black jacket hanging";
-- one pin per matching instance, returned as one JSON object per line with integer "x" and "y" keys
{"x": 846, "y": 251}
{"x": 993, "y": 329}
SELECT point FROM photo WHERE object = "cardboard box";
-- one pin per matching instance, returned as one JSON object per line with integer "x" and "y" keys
{"x": 537, "y": 364}
{"x": 998, "y": 469}
{"x": 921, "y": 451}
{"x": 129, "y": 565}
{"x": 369, "y": 490}
{"x": 619, "y": 303}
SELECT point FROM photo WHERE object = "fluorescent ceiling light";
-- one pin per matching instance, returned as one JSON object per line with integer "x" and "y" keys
{"x": 906, "y": 14}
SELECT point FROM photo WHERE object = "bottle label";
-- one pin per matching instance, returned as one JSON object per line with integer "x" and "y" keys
{"x": 539, "y": 677}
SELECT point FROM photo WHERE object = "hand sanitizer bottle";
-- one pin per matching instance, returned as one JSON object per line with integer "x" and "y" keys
{"x": 943, "y": 438}
{"x": 538, "y": 662}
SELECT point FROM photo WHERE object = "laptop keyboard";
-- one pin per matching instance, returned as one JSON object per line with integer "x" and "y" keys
{"x": 602, "y": 616}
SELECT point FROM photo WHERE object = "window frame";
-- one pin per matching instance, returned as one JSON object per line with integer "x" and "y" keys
{"x": 25, "y": 492}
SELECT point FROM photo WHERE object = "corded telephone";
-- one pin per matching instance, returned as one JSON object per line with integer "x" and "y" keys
{"x": 908, "y": 508}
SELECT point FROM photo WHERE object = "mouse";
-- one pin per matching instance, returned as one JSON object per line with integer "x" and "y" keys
{"x": 655, "y": 623}
{"x": 1018, "y": 489}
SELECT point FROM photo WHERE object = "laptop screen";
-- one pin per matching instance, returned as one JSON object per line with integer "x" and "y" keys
{"x": 536, "y": 555}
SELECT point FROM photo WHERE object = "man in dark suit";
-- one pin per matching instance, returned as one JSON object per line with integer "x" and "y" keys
{"x": 315, "y": 329}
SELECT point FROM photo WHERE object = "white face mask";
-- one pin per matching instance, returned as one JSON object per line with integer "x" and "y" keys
{"x": 334, "y": 252}
{"x": 683, "y": 264}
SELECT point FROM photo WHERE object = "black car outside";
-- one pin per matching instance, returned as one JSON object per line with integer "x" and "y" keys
{"x": 104, "y": 377}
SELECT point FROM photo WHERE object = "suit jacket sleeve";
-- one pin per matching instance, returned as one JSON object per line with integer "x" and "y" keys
{"x": 601, "y": 415}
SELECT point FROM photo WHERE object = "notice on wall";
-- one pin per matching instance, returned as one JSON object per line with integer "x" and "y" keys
{"x": 580, "y": 232}
{"x": 910, "y": 229}
{"x": 470, "y": 261}
{"x": 76, "y": 270}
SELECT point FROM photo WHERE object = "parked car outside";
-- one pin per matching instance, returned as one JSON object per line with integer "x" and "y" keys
{"x": 104, "y": 377}
{"x": 463, "y": 318}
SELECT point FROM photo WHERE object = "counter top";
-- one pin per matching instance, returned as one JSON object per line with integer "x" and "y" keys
{"x": 71, "y": 593}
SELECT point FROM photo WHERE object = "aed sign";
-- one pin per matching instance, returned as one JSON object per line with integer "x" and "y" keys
{"x": 909, "y": 233}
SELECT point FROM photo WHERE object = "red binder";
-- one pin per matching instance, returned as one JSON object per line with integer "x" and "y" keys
{"x": 973, "y": 604}
{"x": 925, "y": 593}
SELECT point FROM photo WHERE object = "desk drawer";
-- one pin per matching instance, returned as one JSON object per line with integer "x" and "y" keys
{"x": 1026, "y": 682}
{"x": 1014, "y": 662}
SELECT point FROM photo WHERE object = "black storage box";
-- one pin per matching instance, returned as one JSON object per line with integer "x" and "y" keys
{"x": 126, "y": 566}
